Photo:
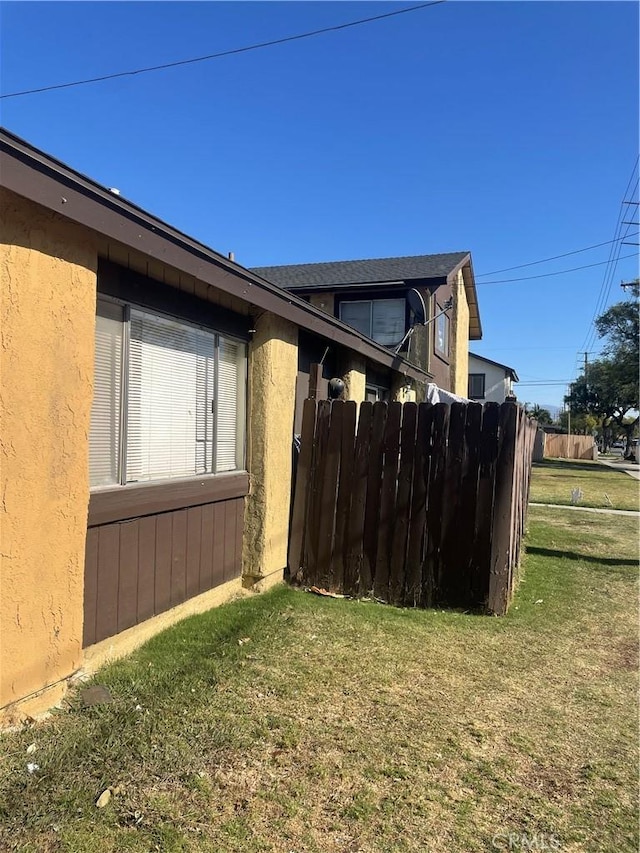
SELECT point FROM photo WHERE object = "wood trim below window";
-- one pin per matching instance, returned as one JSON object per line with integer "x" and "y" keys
{"x": 135, "y": 501}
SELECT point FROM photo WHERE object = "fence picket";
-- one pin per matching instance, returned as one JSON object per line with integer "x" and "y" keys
{"x": 501, "y": 540}
{"x": 400, "y": 531}
{"x": 356, "y": 580}
{"x": 435, "y": 492}
{"x": 374, "y": 484}
{"x": 488, "y": 455}
{"x": 417, "y": 525}
{"x": 301, "y": 494}
{"x": 347, "y": 439}
{"x": 315, "y": 491}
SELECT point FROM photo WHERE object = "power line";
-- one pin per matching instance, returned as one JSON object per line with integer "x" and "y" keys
{"x": 222, "y": 53}
{"x": 553, "y": 258}
{"x": 547, "y": 274}
{"x": 605, "y": 287}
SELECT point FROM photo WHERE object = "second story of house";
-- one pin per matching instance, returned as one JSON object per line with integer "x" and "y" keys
{"x": 490, "y": 381}
{"x": 374, "y": 296}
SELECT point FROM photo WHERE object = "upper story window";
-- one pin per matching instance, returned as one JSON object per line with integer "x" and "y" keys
{"x": 169, "y": 398}
{"x": 476, "y": 386}
{"x": 441, "y": 337}
{"x": 380, "y": 319}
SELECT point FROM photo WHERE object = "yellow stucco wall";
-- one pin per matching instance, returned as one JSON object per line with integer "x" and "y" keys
{"x": 460, "y": 342}
{"x": 273, "y": 369}
{"x": 354, "y": 376}
{"x": 47, "y": 317}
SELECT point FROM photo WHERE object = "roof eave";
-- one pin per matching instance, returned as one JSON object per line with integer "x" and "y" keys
{"x": 34, "y": 175}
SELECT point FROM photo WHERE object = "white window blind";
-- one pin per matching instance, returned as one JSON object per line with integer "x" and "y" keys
{"x": 169, "y": 417}
{"x": 230, "y": 405}
{"x": 104, "y": 437}
{"x": 179, "y": 392}
{"x": 380, "y": 319}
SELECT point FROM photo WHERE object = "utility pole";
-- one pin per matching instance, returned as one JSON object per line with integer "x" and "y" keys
{"x": 586, "y": 362}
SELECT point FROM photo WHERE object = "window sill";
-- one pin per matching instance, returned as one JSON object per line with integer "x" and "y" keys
{"x": 119, "y": 503}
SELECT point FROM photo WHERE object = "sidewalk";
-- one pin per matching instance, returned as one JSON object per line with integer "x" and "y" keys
{"x": 589, "y": 509}
{"x": 630, "y": 468}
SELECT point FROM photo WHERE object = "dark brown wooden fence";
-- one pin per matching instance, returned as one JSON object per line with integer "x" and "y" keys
{"x": 419, "y": 505}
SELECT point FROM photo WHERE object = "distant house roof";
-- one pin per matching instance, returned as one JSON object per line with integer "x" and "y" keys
{"x": 301, "y": 278}
{"x": 505, "y": 367}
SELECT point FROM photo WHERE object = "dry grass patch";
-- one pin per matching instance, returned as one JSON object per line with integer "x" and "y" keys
{"x": 346, "y": 726}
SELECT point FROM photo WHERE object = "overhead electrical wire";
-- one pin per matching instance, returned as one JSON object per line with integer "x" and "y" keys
{"x": 231, "y": 52}
{"x": 614, "y": 257}
{"x": 553, "y": 258}
{"x": 548, "y": 274}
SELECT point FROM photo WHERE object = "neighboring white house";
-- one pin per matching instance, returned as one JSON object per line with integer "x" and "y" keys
{"x": 490, "y": 381}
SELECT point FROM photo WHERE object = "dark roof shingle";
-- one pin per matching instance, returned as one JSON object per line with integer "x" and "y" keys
{"x": 300, "y": 276}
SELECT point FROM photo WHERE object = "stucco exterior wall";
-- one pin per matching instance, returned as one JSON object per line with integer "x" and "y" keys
{"x": 460, "y": 339}
{"x": 323, "y": 301}
{"x": 47, "y": 323}
{"x": 273, "y": 368}
{"x": 354, "y": 376}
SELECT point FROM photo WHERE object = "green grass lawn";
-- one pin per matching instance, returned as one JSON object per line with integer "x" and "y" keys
{"x": 288, "y": 722}
{"x": 554, "y": 479}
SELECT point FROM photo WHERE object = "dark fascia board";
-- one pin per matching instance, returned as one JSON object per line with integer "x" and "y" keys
{"x": 36, "y": 176}
{"x": 505, "y": 367}
{"x": 475, "y": 326}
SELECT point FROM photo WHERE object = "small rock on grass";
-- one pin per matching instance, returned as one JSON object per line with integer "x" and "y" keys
{"x": 96, "y": 695}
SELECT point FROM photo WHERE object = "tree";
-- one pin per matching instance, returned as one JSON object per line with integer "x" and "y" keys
{"x": 580, "y": 424}
{"x": 543, "y": 416}
{"x": 609, "y": 394}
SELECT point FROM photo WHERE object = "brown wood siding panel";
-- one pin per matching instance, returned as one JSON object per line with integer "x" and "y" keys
{"x": 228, "y": 558}
{"x": 178, "y": 557}
{"x": 194, "y": 537}
{"x": 108, "y": 569}
{"x": 163, "y": 563}
{"x": 90, "y": 587}
{"x": 140, "y": 568}
{"x": 218, "y": 544}
{"x": 128, "y": 576}
{"x": 206, "y": 549}
{"x": 237, "y": 569}
{"x": 146, "y": 568}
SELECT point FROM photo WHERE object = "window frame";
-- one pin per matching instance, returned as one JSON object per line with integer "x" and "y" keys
{"x": 370, "y": 300}
{"x": 483, "y": 378}
{"x": 127, "y": 306}
{"x": 441, "y": 316}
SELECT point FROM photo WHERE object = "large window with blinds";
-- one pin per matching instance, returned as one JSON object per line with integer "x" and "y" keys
{"x": 169, "y": 398}
{"x": 384, "y": 320}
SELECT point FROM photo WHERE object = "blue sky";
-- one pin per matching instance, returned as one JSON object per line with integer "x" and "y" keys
{"x": 509, "y": 129}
